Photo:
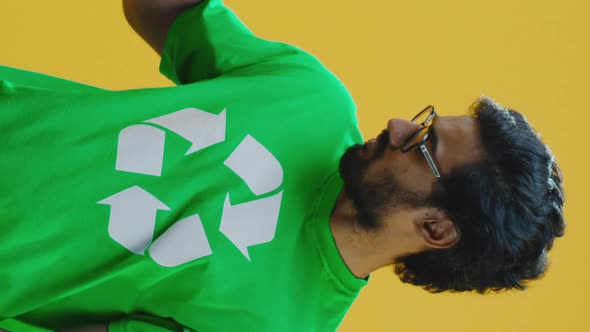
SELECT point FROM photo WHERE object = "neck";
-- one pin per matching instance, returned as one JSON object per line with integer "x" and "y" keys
{"x": 362, "y": 250}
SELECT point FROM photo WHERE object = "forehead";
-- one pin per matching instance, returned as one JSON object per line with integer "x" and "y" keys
{"x": 458, "y": 141}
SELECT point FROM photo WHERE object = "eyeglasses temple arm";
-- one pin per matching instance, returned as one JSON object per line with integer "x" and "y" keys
{"x": 429, "y": 160}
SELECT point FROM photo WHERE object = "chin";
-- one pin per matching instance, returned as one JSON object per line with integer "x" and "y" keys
{"x": 353, "y": 165}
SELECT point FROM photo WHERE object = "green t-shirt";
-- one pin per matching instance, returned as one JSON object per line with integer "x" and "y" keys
{"x": 199, "y": 207}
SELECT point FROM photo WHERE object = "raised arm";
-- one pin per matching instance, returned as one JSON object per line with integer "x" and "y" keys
{"x": 151, "y": 19}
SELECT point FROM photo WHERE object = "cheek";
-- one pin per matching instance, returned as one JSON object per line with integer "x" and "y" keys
{"x": 410, "y": 172}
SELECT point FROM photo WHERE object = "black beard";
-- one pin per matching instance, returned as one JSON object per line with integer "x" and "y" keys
{"x": 353, "y": 166}
{"x": 379, "y": 194}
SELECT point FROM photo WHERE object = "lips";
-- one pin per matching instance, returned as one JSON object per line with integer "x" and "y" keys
{"x": 376, "y": 146}
{"x": 381, "y": 144}
{"x": 383, "y": 138}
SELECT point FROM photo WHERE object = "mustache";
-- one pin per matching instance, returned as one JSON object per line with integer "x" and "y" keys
{"x": 382, "y": 144}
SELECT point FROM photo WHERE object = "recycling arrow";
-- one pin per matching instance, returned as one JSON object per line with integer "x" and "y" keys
{"x": 133, "y": 218}
{"x": 183, "y": 242}
{"x": 141, "y": 150}
{"x": 250, "y": 223}
{"x": 201, "y": 128}
{"x": 252, "y": 162}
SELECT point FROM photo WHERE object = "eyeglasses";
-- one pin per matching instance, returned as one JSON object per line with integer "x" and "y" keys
{"x": 419, "y": 138}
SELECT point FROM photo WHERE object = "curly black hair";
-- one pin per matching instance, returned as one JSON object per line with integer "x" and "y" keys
{"x": 508, "y": 208}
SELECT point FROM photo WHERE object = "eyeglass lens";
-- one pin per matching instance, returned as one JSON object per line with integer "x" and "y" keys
{"x": 423, "y": 119}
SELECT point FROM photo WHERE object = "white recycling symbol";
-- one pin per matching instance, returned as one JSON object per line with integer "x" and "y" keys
{"x": 133, "y": 212}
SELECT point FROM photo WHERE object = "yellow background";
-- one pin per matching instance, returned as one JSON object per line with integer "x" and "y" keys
{"x": 395, "y": 57}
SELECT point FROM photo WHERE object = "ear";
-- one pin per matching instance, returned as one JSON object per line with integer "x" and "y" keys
{"x": 437, "y": 231}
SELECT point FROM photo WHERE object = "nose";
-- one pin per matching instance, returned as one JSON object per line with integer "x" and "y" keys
{"x": 400, "y": 130}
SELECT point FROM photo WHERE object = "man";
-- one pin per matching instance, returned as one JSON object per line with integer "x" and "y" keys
{"x": 245, "y": 197}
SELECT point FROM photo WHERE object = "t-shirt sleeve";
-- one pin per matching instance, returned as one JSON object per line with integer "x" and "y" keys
{"x": 145, "y": 323}
{"x": 209, "y": 40}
